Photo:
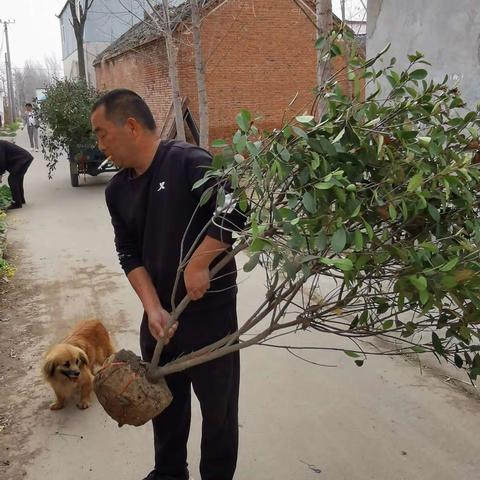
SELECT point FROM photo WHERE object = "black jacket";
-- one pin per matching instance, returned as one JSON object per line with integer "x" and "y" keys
{"x": 12, "y": 157}
{"x": 150, "y": 214}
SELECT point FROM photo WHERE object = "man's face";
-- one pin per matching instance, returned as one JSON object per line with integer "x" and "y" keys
{"x": 29, "y": 108}
{"x": 113, "y": 140}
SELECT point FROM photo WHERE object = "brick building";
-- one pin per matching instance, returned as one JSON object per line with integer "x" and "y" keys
{"x": 259, "y": 55}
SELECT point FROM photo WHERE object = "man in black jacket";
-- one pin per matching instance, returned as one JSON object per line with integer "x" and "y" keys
{"x": 16, "y": 161}
{"x": 156, "y": 221}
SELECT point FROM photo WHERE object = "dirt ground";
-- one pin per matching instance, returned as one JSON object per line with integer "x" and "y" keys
{"x": 386, "y": 420}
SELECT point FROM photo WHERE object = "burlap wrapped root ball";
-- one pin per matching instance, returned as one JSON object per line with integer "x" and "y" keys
{"x": 125, "y": 393}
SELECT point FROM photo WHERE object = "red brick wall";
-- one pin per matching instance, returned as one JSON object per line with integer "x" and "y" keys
{"x": 259, "y": 55}
{"x": 145, "y": 71}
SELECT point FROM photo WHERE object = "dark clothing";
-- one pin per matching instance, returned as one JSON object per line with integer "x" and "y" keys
{"x": 15, "y": 181}
{"x": 216, "y": 385}
{"x": 16, "y": 161}
{"x": 13, "y": 158}
{"x": 150, "y": 214}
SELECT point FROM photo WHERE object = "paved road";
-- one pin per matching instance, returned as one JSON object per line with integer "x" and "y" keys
{"x": 385, "y": 421}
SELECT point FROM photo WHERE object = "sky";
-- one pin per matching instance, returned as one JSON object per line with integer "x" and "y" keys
{"x": 36, "y": 31}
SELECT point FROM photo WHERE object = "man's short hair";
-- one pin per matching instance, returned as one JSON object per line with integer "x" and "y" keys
{"x": 121, "y": 104}
{"x": 28, "y": 105}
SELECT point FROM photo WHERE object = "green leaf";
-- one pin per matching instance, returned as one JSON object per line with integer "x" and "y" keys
{"x": 369, "y": 230}
{"x": 299, "y": 132}
{"x": 449, "y": 282}
{"x": 424, "y": 141}
{"x": 243, "y": 120}
{"x": 206, "y": 195}
{"x": 200, "y": 182}
{"x": 387, "y": 325}
{"x": 323, "y": 185}
{"x": 418, "y": 349}
{"x": 252, "y": 262}
{"x": 322, "y": 145}
{"x": 434, "y": 213}
{"x": 415, "y": 182}
{"x": 339, "y": 240}
{"x": 358, "y": 240}
{"x": 219, "y": 143}
{"x": 260, "y": 244}
{"x": 344, "y": 264}
{"x": 335, "y": 50}
{"x": 392, "y": 211}
{"x": 450, "y": 265}
{"x": 437, "y": 344}
{"x": 309, "y": 203}
{"x": 339, "y": 136}
{"x": 319, "y": 44}
{"x": 420, "y": 282}
{"x": 351, "y": 354}
{"x": 359, "y": 363}
{"x": 419, "y": 74}
{"x": 305, "y": 118}
{"x": 424, "y": 296}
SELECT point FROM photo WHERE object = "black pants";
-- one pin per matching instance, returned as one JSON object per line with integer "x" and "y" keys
{"x": 216, "y": 385}
{"x": 15, "y": 181}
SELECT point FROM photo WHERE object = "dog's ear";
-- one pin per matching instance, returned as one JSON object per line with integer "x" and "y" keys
{"x": 83, "y": 358}
{"x": 49, "y": 368}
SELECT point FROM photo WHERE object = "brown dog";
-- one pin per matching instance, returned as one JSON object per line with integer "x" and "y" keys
{"x": 68, "y": 366}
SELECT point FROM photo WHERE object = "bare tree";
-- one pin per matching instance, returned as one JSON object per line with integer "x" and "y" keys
{"x": 78, "y": 23}
{"x": 324, "y": 23}
{"x": 172, "y": 55}
{"x": 27, "y": 80}
{"x": 165, "y": 17}
{"x": 200, "y": 72}
{"x": 53, "y": 67}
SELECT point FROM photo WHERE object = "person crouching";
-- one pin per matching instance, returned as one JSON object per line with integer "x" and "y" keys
{"x": 16, "y": 161}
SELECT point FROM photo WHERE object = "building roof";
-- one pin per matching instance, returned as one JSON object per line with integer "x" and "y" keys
{"x": 61, "y": 11}
{"x": 145, "y": 30}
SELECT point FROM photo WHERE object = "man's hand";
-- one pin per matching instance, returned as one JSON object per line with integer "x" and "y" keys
{"x": 157, "y": 323}
{"x": 196, "y": 278}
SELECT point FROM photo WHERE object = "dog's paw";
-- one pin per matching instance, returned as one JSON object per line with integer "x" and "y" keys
{"x": 56, "y": 406}
{"x": 83, "y": 404}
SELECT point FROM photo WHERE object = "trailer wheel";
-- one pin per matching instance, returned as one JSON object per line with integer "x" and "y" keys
{"x": 74, "y": 174}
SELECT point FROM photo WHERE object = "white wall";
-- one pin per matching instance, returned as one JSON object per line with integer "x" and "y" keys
{"x": 446, "y": 31}
{"x": 70, "y": 64}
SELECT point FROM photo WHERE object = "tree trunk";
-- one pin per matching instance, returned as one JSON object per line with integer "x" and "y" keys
{"x": 172, "y": 71}
{"x": 200, "y": 75}
{"x": 348, "y": 51}
{"x": 324, "y": 26}
{"x": 78, "y": 25}
{"x": 81, "y": 57}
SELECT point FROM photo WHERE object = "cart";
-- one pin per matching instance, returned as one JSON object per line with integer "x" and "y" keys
{"x": 87, "y": 162}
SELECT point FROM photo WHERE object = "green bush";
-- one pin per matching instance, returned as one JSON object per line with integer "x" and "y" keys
{"x": 64, "y": 118}
{"x": 6, "y": 270}
{"x": 5, "y": 197}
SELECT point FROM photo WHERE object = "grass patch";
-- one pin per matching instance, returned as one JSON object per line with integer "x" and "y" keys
{"x": 6, "y": 269}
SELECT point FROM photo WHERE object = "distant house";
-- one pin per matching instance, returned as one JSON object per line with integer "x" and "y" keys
{"x": 259, "y": 55}
{"x": 106, "y": 21}
{"x": 446, "y": 32}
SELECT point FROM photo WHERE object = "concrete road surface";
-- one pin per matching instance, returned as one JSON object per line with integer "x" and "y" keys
{"x": 384, "y": 421}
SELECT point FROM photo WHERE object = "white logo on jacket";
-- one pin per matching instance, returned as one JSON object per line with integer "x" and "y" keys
{"x": 161, "y": 186}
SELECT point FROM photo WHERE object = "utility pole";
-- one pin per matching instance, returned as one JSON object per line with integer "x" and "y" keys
{"x": 11, "y": 94}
